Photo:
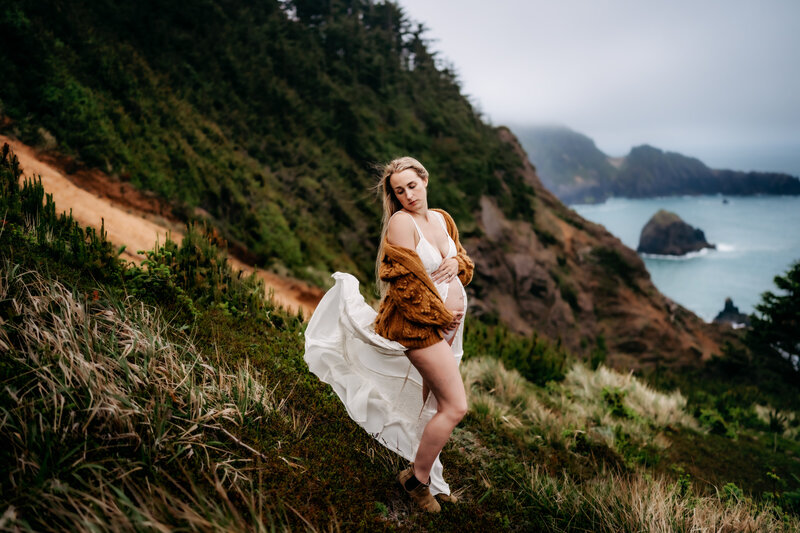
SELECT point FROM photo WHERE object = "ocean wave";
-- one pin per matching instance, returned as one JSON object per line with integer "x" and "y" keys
{"x": 722, "y": 247}
{"x": 685, "y": 257}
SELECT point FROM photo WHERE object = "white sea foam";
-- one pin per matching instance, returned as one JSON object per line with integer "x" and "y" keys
{"x": 722, "y": 247}
{"x": 690, "y": 255}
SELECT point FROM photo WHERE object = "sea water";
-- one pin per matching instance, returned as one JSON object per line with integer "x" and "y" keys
{"x": 757, "y": 238}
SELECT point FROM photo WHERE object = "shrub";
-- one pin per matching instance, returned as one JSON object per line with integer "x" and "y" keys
{"x": 711, "y": 419}
{"x": 536, "y": 358}
{"x": 28, "y": 211}
{"x": 197, "y": 271}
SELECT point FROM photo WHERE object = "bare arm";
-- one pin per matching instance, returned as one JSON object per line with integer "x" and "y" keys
{"x": 401, "y": 232}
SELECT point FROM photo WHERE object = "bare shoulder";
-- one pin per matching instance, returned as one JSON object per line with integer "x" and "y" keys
{"x": 401, "y": 231}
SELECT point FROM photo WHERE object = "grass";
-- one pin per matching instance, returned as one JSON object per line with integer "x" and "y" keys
{"x": 615, "y": 502}
{"x": 146, "y": 398}
{"x": 604, "y": 453}
{"x": 116, "y": 418}
{"x": 97, "y": 399}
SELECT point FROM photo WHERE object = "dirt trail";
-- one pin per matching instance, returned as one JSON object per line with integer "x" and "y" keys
{"x": 134, "y": 228}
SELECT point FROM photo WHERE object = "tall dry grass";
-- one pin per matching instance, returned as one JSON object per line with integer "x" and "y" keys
{"x": 786, "y": 423}
{"x": 106, "y": 423}
{"x": 612, "y": 502}
{"x": 617, "y": 410}
{"x": 602, "y": 403}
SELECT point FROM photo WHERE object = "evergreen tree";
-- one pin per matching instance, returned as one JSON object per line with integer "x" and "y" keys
{"x": 776, "y": 325}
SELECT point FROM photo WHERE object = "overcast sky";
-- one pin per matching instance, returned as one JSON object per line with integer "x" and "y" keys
{"x": 716, "y": 79}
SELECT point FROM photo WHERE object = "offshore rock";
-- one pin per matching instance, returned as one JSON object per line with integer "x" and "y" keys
{"x": 730, "y": 315}
{"x": 667, "y": 234}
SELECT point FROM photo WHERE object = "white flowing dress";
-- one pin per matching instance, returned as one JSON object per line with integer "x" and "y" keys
{"x": 380, "y": 388}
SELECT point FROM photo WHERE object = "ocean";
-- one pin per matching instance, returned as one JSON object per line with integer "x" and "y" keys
{"x": 757, "y": 238}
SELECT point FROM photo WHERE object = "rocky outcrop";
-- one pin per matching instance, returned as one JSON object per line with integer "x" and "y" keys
{"x": 730, "y": 315}
{"x": 667, "y": 234}
{"x": 569, "y": 279}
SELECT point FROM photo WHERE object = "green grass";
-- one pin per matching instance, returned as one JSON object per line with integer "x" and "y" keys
{"x": 275, "y": 443}
{"x": 174, "y": 396}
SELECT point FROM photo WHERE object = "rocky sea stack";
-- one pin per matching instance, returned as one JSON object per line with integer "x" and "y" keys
{"x": 730, "y": 314}
{"x": 667, "y": 234}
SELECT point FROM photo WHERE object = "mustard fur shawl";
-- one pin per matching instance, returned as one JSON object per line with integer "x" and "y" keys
{"x": 412, "y": 312}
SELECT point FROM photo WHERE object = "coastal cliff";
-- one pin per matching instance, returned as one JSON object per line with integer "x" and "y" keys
{"x": 173, "y": 394}
{"x": 570, "y": 279}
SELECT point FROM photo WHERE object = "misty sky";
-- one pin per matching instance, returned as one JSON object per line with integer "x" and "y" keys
{"x": 715, "y": 79}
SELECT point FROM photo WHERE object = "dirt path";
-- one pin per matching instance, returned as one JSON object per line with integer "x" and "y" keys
{"x": 136, "y": 229}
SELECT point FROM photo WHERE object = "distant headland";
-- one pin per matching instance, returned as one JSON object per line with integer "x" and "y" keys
{"x": 570, "y": 164}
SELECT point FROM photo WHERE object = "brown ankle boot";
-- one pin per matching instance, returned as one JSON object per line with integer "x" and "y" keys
{"x": 421, "y": 494}
{"x": 450, "y": 498}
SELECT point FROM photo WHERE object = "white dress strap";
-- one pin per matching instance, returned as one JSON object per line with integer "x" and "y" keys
{"x": 421, "y": 236}
{"x": 442, "y": 222}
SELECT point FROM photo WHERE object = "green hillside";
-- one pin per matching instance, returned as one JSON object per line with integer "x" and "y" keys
{"x": 174, "y": 397}
{"x": 569, "y": 163}
{"x": 265, "y": 120}
{"x": 266, "y": 117}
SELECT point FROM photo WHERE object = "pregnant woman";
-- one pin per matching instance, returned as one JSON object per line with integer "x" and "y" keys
{"x": 397, "y": 371}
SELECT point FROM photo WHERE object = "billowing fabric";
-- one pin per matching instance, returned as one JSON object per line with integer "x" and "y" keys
{"x": 379, "y": 387}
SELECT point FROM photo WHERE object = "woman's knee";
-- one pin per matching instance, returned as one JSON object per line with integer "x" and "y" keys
{"x": 456, "y": 410}
{"x": 461, "y": 410}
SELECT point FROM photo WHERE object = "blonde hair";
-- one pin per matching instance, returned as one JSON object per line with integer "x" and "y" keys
{"x": 391, "y": 204}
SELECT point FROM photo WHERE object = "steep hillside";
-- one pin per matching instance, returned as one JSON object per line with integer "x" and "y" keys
{"x": 569, "y": 163}
{"x": 572, "y": 280}
{"x": 265, "y": 120}
{"x": 134, "y": 221}
{"x": 578, "y": 172}
{"x": 173, "y": 396}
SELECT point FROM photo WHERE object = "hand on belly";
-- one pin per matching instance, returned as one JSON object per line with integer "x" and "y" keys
{"x": 455, "y": 299}
{"x": 455, "y": 304}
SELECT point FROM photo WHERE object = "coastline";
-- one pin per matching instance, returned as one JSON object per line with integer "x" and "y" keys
{"x": 753, "y": 245}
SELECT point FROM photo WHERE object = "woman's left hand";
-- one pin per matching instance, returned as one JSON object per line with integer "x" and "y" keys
{"x": 458, "y": 316}
{"x": 446, "y": 271}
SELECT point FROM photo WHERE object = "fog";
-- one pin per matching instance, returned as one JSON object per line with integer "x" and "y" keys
{"x": 719, "y": 80}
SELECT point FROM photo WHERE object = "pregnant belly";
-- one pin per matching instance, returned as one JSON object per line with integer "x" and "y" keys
{"x": 455, "y": 297}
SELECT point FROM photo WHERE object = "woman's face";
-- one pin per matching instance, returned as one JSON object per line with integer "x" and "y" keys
{"x": 410, "y": 189}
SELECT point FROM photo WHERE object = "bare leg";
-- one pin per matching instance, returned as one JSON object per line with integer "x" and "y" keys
{"x": 439, "y": 372}
{"x": 449, "y": 338}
